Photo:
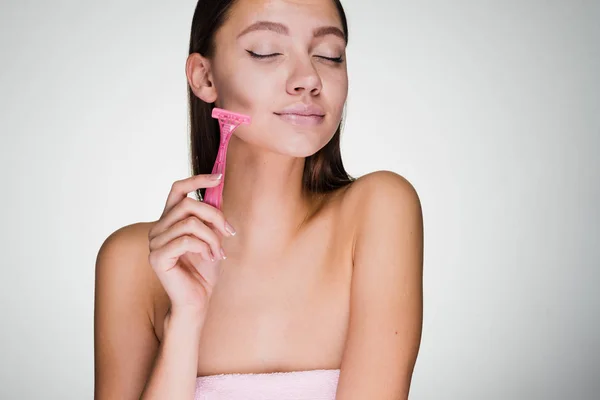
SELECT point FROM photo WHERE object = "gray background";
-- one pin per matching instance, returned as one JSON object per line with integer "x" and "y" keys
{"x": 490, "y": 108}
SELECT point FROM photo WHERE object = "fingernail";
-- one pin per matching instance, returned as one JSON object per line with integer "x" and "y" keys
{"x": 216, "y": 177}
{"x": 229, "y": 228}
{"x": 223, "y": 254}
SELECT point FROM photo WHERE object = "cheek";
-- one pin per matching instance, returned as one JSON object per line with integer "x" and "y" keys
{"x": 335, "y": 90}
{"x": 258, "y": 90}
{"x": 236, "y": 97}
{"x": 239, "y": 92}
{"x": 342, "y": 94}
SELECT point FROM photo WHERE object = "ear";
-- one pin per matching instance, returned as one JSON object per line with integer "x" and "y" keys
{"x": 199, "y": 77}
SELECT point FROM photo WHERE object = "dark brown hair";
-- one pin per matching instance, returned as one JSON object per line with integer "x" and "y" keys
{"x": 323, "y": 171}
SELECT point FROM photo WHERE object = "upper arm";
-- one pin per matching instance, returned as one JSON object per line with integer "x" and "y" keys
{"x": 386, "y": 296}
{"x": 124, "y": 341}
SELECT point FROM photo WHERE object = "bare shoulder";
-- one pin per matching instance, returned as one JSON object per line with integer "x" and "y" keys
{"x": 380, "y": 192}
{"x": 123, "y": 261}
{"x": 128, "y": 238}
{"x": 129, "y": 245}
{"x": 386, "y": 296}
{"x": 125, "y": 343}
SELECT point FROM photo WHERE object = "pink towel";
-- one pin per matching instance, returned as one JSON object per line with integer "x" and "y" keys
{"x": 319, "y": 384}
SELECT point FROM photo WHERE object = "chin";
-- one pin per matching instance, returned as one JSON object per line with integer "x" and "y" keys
{"x": 301, "y": 146}
{"x": 286, "y": 139}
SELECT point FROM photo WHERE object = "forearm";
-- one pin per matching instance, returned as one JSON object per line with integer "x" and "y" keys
{"x": 175, "y": 369}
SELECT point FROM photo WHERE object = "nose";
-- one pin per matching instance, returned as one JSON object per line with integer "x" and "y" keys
{"x": 304, "y": 79}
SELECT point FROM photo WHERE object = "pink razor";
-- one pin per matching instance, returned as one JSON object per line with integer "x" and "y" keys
{"x": 228, "y": 121}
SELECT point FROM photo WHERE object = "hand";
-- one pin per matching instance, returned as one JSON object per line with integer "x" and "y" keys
{"x": 185, "y": 245}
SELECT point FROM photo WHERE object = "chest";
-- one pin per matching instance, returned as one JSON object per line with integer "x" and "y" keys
{"x": 289, "y": 315}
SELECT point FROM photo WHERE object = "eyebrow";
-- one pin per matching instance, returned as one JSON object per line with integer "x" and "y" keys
{"x": 283, "y": 30}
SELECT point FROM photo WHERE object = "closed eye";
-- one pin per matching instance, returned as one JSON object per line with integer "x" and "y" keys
{"x": 263, "y": 56}
{"x": 335, "y": 60}
{"x": 253, "y": 54}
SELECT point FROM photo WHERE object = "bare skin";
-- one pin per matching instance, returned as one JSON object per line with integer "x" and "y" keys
{"x": 287, "y": 296}
{"x": 286, "y": 310}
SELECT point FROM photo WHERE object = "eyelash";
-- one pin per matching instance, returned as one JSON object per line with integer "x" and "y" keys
{"x": 337, "y": 60}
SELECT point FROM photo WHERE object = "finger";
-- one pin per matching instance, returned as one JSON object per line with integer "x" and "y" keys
{"x": 189, "y": 226}
{"x": 190, "y": 207}
{"x": 204, "y": 255}
{"x": 181, "y": 188}
{"x": 197, "y": 261}
{"x": 165, "y": 258}
{"x": 208, "y": 273}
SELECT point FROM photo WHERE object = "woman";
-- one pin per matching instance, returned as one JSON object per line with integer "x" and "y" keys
{"x": 319, "y": 290}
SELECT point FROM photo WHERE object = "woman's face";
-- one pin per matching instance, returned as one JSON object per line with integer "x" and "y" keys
{"x": 305, "y": 72}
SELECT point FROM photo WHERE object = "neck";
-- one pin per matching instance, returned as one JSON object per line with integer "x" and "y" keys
{"x": 263, "y": 199}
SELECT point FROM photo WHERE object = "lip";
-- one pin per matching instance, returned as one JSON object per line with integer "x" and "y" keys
{"x": 301, "y": 109}
{"x": 304, "y": 120}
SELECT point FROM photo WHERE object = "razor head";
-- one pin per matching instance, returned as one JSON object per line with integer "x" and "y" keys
{"x": 230, "y": 116}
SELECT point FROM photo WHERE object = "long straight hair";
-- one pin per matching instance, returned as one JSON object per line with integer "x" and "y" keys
{"x": 323, "y": 171}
